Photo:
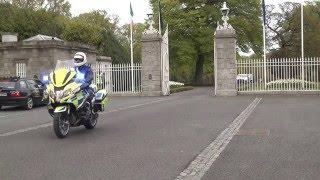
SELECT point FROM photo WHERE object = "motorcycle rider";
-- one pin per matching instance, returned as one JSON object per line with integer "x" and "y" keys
{"x": 84, "y": 72}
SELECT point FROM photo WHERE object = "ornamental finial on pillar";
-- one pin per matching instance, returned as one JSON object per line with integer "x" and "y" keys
{"x": 151, "y": 29}
{"x": 225, "y": 17}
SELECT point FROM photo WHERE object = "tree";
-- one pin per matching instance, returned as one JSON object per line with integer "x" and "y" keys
{"x": 284, "y": 33}
{"x": 192, "y": 24}
{"x": 58, "y": 6}
{"x": 96, "y": 28}
{"x": 138, "y": 30}
{"x": 27, "y": 22}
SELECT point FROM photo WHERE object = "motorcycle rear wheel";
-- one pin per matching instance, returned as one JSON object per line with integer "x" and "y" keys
{"x": 61, "y": 125}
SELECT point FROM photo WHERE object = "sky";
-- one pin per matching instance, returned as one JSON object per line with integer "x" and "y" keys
{"x": 122, "y": 7}
{"x": 114, "y": 7}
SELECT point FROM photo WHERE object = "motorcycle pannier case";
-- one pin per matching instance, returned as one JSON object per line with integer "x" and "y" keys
{"x": 101, "y": 100}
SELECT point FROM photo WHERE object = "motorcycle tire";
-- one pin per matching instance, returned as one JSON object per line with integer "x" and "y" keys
{"x": 61, "y": 126}
{"x": 91, "y": 124}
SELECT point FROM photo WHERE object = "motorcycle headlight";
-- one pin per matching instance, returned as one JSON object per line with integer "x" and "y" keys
{"x": 76, "y": 90}
{"x": 66, "y": 93}
{"x": 52, "y": 94}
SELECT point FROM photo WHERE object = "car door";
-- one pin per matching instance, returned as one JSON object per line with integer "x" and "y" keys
{"x": 42, "y": 88}
{"x": 24, "y": 88}
{"x": 35, "y": 91}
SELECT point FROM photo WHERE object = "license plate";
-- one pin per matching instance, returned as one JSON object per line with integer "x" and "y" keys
{"x": 3, "y": 94}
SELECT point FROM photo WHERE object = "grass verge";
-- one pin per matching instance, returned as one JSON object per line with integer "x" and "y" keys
{"x": 176, "y": 89}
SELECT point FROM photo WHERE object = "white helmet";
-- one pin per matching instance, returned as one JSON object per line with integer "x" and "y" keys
{"x": 80, "y": 58}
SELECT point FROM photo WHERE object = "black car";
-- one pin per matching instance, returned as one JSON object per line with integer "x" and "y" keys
{"x": 21, "y": 92}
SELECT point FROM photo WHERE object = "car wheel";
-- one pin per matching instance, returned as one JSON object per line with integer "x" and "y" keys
{"x": 29, "y": 104}
{"x": 0, "y": 107}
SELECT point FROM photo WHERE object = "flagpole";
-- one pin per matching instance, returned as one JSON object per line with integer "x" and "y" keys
{"x": 131, "y": 39}
{"x": 264, "y": 57}
{"x": 131, "y": 44}
{"x": 160, "y": 27}
{"x": 264, "y": 46}
{"x": 302, "y": 44}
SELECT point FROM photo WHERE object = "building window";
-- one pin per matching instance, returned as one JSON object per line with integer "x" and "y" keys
{"x": 21, "y": 70}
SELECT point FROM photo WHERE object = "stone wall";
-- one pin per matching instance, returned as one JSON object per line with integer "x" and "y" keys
{"x": 38, "y": 55}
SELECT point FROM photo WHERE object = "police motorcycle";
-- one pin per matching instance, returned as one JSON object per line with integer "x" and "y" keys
{"x": 68, "y": 104}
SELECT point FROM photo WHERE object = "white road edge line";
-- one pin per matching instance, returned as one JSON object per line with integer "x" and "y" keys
{"x": 19, "y": 131}
{"x": 202, "y": 163}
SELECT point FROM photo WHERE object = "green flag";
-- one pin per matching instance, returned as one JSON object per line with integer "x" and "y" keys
{"x": 131, "y": 11}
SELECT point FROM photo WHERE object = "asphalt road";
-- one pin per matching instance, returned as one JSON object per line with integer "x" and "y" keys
{"x": 280, "y": 140}
{"x": 157, "y": 138}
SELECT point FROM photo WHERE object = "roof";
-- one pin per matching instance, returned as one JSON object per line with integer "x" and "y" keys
{"x": 41, "y": 37}
{"x": 104, "y": 59}
{"x": 10, "y": 79}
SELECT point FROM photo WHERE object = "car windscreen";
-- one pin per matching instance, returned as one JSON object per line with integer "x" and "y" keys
{"x": 8, "y": 85}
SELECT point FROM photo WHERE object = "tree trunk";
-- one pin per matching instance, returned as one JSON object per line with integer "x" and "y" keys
{"x": 199, "y": 70}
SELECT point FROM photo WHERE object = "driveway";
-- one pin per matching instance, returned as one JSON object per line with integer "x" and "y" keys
{"x": 161, "y": 137}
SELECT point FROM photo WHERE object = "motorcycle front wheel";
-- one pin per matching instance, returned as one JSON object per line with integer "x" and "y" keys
{"x": 92, "y": 122}
{"x": 61, "y": 125}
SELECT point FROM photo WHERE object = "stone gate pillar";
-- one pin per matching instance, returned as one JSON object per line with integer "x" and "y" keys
{"x": 151, "y": 63}
{"x": 225, "y": 60}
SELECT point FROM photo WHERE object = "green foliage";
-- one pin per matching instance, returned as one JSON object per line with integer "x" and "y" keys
{"x": 95, "y": 28}
{"x": 138, "y": 30}
{"x": 79, "y": 31}
{"x": 28, "y": 22}
{"x": 176, "y": 89}
{"x": 285, "y": 30}
{"x": 192, "y": 24}
{"x": 112, "y": 47}
{"x": 61, "y": 7}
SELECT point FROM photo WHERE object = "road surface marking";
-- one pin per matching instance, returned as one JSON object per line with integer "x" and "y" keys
{"x": 25, "y": 130}
{"x": 202, "y": 163}
{"x": 19, "y": 131}
{"x": 14, "y": 116}
{"x": 138, "y": 105}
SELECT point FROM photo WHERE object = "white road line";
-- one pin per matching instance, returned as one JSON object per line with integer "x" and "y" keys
{"x": 202, "y": 163}
{"x": 19, "y": 131}
{"x": 25, "y": 130}
{"x": 14, "y": 116}
{"x": 138, "y": 105}
{"x": 17, "y": 115}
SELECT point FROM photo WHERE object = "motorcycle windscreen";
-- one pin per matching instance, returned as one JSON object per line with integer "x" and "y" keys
{"x": 61, "y": 77}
